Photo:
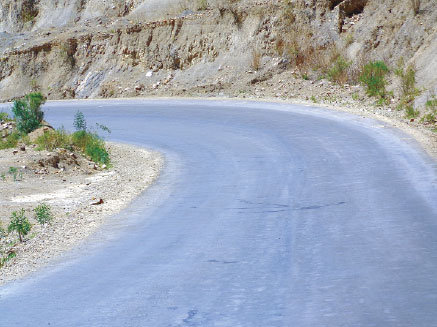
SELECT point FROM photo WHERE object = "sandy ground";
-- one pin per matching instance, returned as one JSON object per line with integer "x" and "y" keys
{"x": 71, "y": 195}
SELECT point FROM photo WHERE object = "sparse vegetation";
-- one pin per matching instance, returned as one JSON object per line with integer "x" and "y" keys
{"x": 20, "y": 224}
{"x": 88, "y": 142}
{"x": 28, "y": 113}
{"x": 407, "y": 77}
{"x": 10, "y": 255}
{"x": 410, "y": 113}
{"x": 4, "y": 116}
{"x": 43, "y": 214}
{"x": 431, "y": 104}
{"x": 29, "y": 11}
{"x": 15, "y": 173}
{"x": 431, "y": 116}
{"x": 10, "y": 141}
{"x": 338, "y": 72}
{"x": 373, "y": 79}
{"x": 92, "y": 145}
{"x": 51, "y": 140}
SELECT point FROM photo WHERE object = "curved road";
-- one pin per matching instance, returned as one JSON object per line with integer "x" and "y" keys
{"x": 265, "y": 215}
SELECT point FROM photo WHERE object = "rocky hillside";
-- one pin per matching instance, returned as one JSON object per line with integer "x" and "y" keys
{"x": 114, "y": 48}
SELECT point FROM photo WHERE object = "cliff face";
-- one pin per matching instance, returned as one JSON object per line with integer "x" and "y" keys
{"x": 93, "y": 48}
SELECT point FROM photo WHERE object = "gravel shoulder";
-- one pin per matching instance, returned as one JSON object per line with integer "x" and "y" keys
{"x": 72, "y": 197}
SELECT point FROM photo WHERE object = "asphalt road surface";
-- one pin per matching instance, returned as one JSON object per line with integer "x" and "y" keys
{"x": 265, "y": 215}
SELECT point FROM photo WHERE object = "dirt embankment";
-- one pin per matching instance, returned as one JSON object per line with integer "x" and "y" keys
{"x": 80, "y": 194}
{"x": 108, "y": 50}
{"x": 286, "y": 50}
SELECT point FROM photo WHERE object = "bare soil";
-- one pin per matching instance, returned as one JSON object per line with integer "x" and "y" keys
{"x": 80, "y": 194}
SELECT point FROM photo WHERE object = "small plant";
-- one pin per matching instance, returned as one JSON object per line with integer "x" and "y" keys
{"x": 79, "y": 121}
{"x": 28, "y": 113}
{"x": 10, "y": 141}
{"x": 96, "y": 150}
{"x": 429, "y": 118}
{"x": 432, "y": 103}
{"x": 305, "y": 77}
{"x": 313, "y": 99}
{"x": 338, "y": 72}
{"x": 3, "y": 177}
{"x": 4, "y": 116}
{"x": 408, "y": 83}
{"x": 410, "y": 113}
{"x": 373, "y": 78}
{"x": 92, "y": 145}
{"x": 14, "y": 172}
{"x": 10, "y": 255}
{"x": 19, "y": 224}
{"x": 43, "y": 214}
{"x": 51, "y": 140}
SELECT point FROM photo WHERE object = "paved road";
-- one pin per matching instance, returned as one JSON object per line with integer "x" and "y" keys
{"x": 265, "y": 215}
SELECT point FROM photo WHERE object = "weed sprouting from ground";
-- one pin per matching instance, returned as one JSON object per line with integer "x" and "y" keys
{"x": 410, "y": 112}
{"x": 338, "y": 72}
{"x": 51, "y": 140}
{"x": 373, "y": 79}
{"x": 4, "y": 116}
{"x": 43, "y": 214}
{"x": 92, "y": 145}
{"x": 10, "y": 141}
{"x": 19, "y": 224}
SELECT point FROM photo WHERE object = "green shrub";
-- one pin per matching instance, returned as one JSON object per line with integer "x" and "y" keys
{"x": 410, "y": 112}
{"x": 28, "y": 113}
{"x": 43, "y": 214}
{"x": 79, "y": 121}
{"x": 92, "y": 145}
{"x": 4, "y": 116}
{"x": 14, "y": 172}
{"x": 432, "y": 103}
{"x": 10, "y": 255}
{"x": 19, "y": 224}
{"x": 373, "y": 78}
{"x": 10, "y": 141}
{"x": 51, "y": 140}
{"x": 338, "y": 72}
{"x": 429, "y": 118}
{"x": 408, "y": 83}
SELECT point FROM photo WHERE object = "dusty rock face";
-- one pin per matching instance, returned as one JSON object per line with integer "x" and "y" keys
{"x": 91, "y": 48}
